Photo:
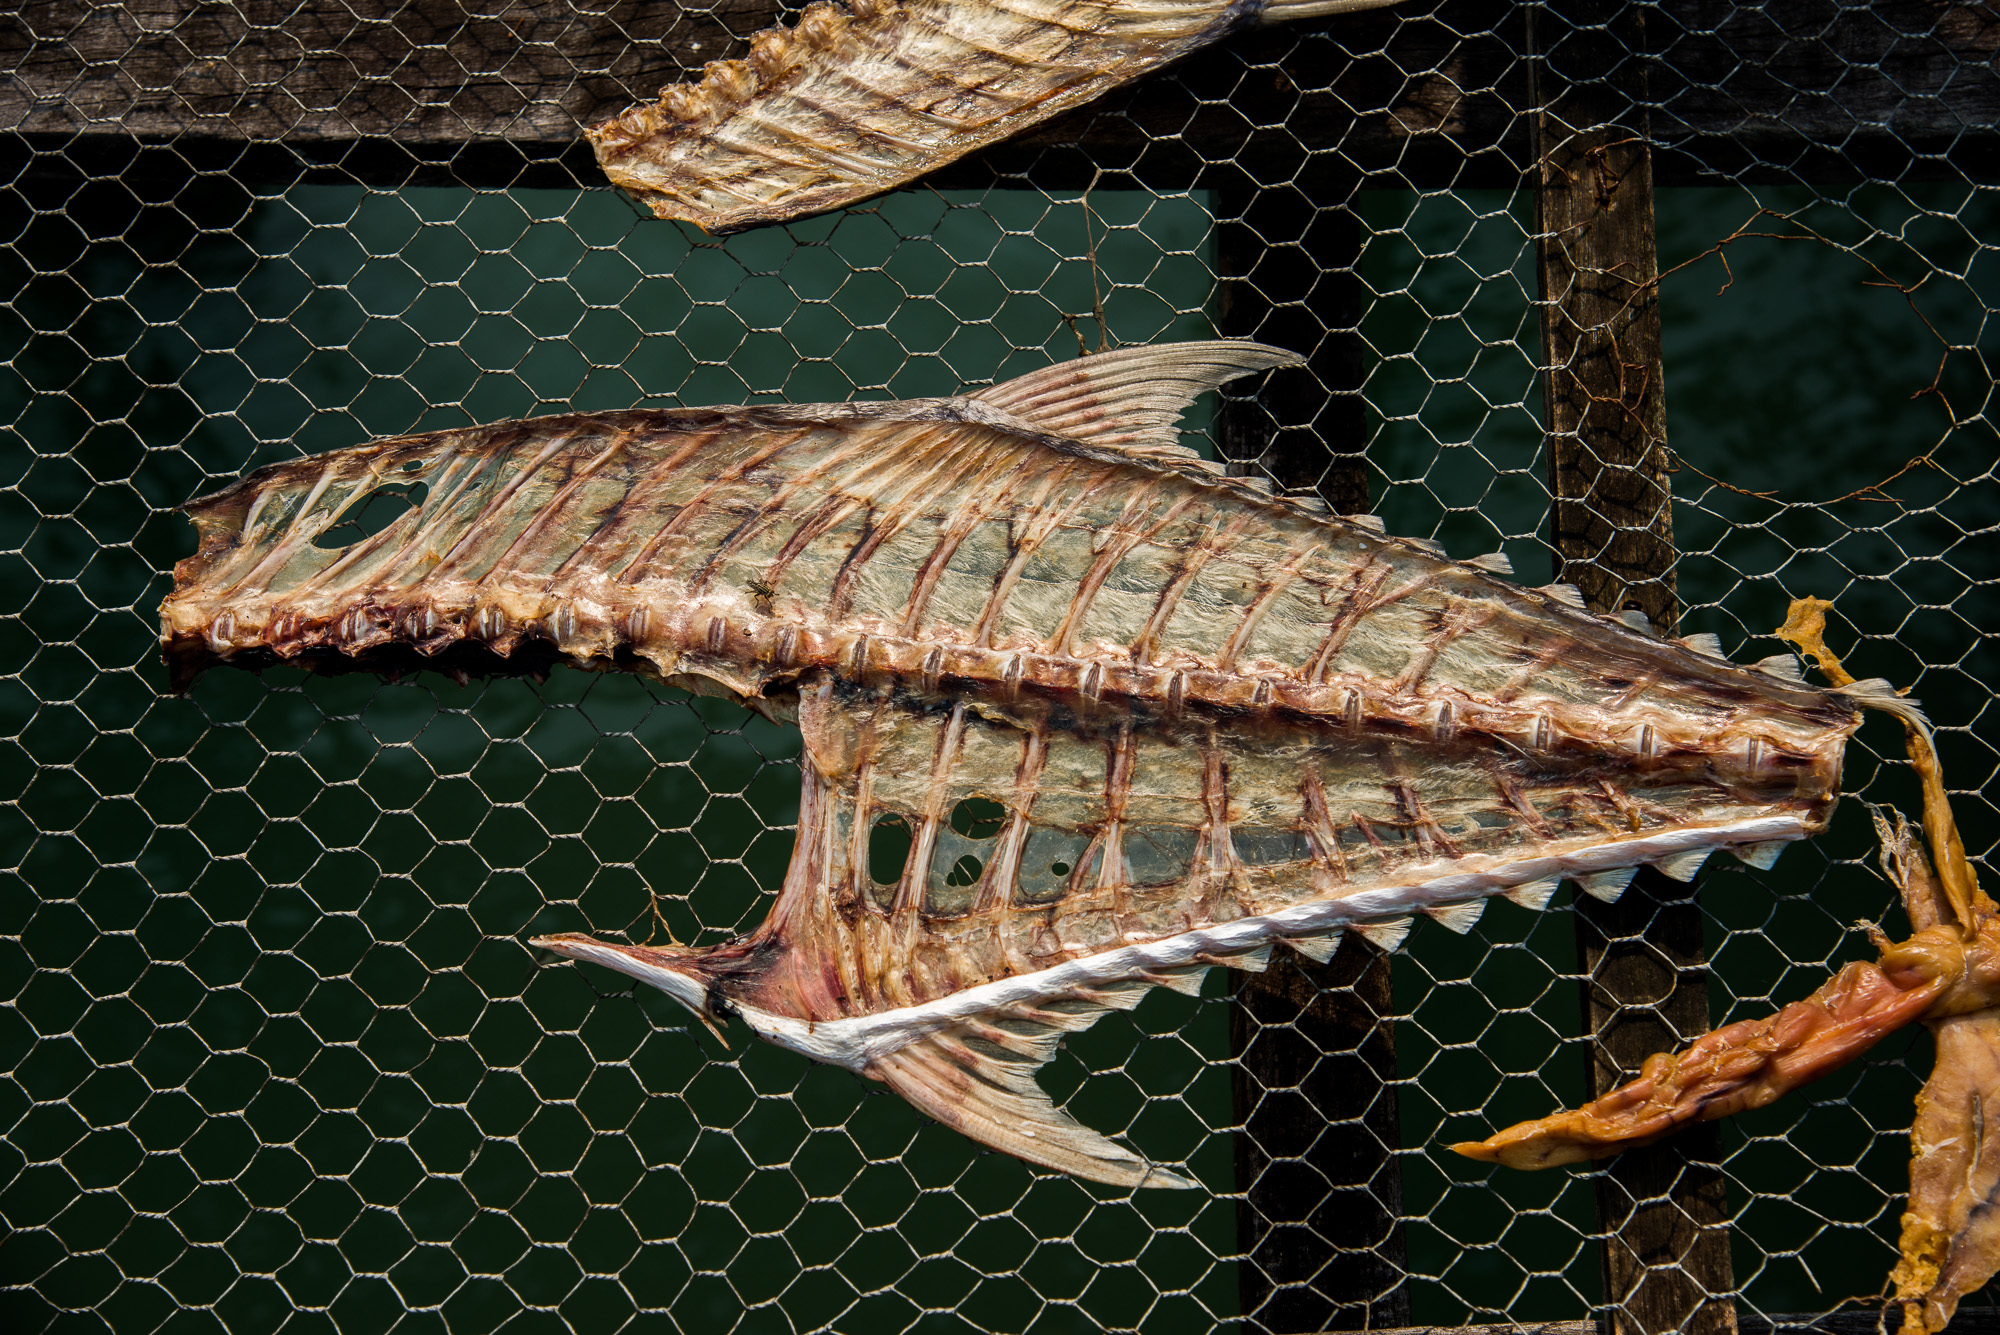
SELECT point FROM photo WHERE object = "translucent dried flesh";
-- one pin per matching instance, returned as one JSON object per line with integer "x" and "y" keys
{"x": 1136, "y": 718}
{"x": 854, "y": 101}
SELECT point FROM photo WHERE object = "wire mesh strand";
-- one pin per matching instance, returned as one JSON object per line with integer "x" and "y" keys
{"x": 274, "y": 1054}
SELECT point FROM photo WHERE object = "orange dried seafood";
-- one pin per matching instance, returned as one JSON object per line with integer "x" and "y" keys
{"x": 1947, "y": 975}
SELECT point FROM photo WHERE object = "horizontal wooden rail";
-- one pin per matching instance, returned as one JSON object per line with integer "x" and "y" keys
{"x": 1427, "y": 93}
{"x": 1969, "y": 1321}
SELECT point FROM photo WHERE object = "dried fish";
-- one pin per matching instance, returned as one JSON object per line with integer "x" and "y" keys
{"x": 1138, "y": 718}
{"x": 854, "y": 101}
{"x": 1947, "y": 975}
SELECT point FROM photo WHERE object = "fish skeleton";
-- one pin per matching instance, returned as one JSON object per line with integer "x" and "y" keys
{"x": 855, "y": 101}
{"x": 1138, "y": 718}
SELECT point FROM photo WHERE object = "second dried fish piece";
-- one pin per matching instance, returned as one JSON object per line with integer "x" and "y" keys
{"x": 854, "y": 101}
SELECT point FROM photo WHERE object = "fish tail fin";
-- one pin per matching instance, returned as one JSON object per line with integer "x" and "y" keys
{"x": 995, "y": 1101}
{"x": 978, "y": 1078}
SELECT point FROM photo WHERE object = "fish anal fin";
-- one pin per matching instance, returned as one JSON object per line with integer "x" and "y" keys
{"x": 1254, "y": 960}
{"x": 1607, "y": 885}
{"x": 1185, "y": 980}
{"x": 988, "y": 1093}
{"x": 1683, "y": 866}
{"x": 1319, "y": 949}
{"x": 1535, "y": 894}
{"x": 1459, "y": 918}
{"x": 1386, "y": 935}
{"x": 1762, "y": 856}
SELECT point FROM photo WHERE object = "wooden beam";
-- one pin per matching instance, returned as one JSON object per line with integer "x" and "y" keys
{"x": 1315, "y": 1160}
{"x": 1424, "y": 93}
{"x": 1969, "y": 1321}
{"x": 1666, "y": 1250}
{"x": 1315, "y": 1053}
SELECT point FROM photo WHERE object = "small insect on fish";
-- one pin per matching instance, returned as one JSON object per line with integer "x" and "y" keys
{"x": 853, "y": 101}
{"x": 1141, "y": 719}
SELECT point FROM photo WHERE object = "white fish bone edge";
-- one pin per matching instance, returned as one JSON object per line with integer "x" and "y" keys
{"x": 859, "y": 1040}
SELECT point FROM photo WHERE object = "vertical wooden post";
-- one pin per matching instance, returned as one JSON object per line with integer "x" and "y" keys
{"x": 1662, "y": 1208}
{"x": 1315, "y": 1054}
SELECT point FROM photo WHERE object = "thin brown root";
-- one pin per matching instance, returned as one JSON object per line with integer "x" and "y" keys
{"x": 1805, "y": 627}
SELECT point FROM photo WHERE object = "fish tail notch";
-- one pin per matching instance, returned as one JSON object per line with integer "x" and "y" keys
{"x": 987, "y": 1092}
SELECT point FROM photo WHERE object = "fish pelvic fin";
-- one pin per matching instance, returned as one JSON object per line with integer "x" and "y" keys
{"x": 1131, "y": 399}
{"x": 978, "y": 1078}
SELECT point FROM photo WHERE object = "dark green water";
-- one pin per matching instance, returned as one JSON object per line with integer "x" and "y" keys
{"x": 274, "y": 1055}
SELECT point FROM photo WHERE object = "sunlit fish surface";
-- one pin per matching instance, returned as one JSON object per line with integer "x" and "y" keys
{"x": 1130, "y": 717}
{"x": 856, "y": 100}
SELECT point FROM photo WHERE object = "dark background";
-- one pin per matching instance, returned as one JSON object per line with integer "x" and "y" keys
{"x": 274, "y": 1053}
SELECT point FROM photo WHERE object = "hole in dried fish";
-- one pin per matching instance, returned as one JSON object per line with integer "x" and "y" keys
{"x": 957, "y": 864}
{"x": 371, "y": 512}
{"x": 1046, "y": 864}
{"x": 978, "y": 818}
{"x": 889, "y": 841}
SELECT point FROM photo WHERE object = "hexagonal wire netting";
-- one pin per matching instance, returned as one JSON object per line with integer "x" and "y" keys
{"x": 275, "y": 1053}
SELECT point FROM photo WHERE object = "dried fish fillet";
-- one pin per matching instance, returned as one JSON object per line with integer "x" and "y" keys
{"x": 851, "y": 102}
{"x": 1139, "y": 719}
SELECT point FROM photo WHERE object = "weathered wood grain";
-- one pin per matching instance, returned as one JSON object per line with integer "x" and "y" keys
{"x": 1969, "y": 1321}
{"x": 1666, "y": 1252}
{"x": 1318, "y": 1225}
{"x": 1315, "y": 1054}
{"x": 498, "y": 92}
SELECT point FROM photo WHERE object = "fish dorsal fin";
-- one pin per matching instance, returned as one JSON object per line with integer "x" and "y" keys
{"x": 1130, "y": 399}
{"x": 1633, "y": 619}
{"x": 1566, "y": 594}
{"x": 1782, "y": 666}
{"x": 1706, "y": 643}
{"x": 978, "y": 1078}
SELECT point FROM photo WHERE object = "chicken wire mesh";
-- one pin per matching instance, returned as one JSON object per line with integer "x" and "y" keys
{"x": 275, "y": 1054}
